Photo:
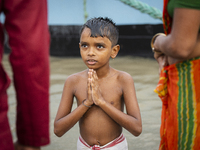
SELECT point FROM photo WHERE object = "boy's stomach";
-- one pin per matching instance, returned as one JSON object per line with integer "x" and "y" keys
{"x": 97, "y": 128}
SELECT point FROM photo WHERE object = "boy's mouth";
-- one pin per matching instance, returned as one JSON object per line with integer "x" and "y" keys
{"x": 91, "y": 61}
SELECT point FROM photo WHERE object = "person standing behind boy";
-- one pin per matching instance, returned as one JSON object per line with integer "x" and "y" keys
{"x": 101, "y": 92}
{"x": 29, "y": 41}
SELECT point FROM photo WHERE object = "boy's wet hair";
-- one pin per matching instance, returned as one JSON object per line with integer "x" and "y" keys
{"x": 103, "y": 27}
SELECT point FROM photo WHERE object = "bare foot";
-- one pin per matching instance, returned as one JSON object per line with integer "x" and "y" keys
{"x": 24, "y": 147}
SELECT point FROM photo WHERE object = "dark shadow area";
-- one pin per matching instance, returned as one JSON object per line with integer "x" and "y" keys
{"x": 133, "y": 39}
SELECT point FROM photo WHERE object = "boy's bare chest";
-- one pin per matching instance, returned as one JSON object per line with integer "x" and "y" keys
{"x": 111, "y": 90}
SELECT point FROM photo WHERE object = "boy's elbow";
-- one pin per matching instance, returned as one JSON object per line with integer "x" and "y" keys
{"x": 57, "y": 133}
{"x": 139, "y": 131}
{"x": 136, "y": 131}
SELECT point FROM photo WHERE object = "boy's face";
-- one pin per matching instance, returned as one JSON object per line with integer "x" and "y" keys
{"x": 95, "y": 51}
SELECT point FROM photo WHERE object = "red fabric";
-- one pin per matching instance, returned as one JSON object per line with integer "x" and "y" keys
{"x": 96, "y": 147}
{"x": 167, "y": 20}
{"x": 167, "y": 23}
{"x": 26, "y": 25}
{"x": 118, "y": 140}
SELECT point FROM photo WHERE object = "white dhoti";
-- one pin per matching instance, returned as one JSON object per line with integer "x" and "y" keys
{"x": 119, "y": 143}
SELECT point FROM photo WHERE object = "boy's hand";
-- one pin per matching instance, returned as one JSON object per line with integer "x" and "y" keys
{"x": 89, "y": 88}
{"x": 96, "y": 93}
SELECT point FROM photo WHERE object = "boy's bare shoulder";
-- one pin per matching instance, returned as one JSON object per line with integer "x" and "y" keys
{"x": 76, "y": 77}
{"x": 122, "y": 75}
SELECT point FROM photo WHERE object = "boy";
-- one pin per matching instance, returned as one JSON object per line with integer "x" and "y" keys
{"x": 100, "y": 91}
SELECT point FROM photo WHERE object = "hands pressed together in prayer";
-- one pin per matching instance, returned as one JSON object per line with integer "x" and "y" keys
{"x": 94, "y": 93}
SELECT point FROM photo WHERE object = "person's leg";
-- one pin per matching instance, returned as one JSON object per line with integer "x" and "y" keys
{"x": 6, "y": 142}
{"x": 18, "y": 146}
{"x": 26, "y": 25}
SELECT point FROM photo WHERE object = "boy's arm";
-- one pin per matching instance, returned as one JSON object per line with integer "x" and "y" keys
{"x": 65, "y": 119}
{"x": 130, "y": 121}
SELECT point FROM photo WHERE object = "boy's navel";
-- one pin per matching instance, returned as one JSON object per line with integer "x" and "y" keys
{"x": 98, "y": 142}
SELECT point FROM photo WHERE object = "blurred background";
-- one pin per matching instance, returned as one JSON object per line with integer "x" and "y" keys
{"x": 136, "y": 28}
{"x": 68, "y": 12}
{"x": 132, "y": 17}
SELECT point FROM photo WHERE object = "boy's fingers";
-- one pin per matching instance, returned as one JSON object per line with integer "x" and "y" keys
{"x": 90, "y": 69}
{"x": 92, "y": 82}
{"x": 95, "y": 75}
{"x": 88, "y": 80}
{"x": 89, "y": 83}
{"x": 89, "y": 74}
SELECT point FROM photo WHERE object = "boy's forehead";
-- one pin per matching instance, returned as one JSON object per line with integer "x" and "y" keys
{"x": 86, "y": 37}
{"x": 87, "y": 32}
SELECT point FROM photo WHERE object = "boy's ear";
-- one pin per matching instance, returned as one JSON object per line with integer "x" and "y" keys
{"x": 115, "y": 51}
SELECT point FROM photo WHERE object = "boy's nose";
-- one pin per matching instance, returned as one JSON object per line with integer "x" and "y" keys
{"x": 91, "y": 52}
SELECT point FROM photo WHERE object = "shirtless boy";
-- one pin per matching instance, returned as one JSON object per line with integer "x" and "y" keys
{"x": 101, "y": 93}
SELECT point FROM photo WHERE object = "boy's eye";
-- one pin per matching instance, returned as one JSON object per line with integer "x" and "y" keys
{"x": 83, "y": 45}
{"x": 100, "y": 46}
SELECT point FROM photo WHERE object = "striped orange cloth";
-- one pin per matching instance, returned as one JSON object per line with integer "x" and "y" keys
{"x": 167, "y": 20}
{"x": 180, "y": 118}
